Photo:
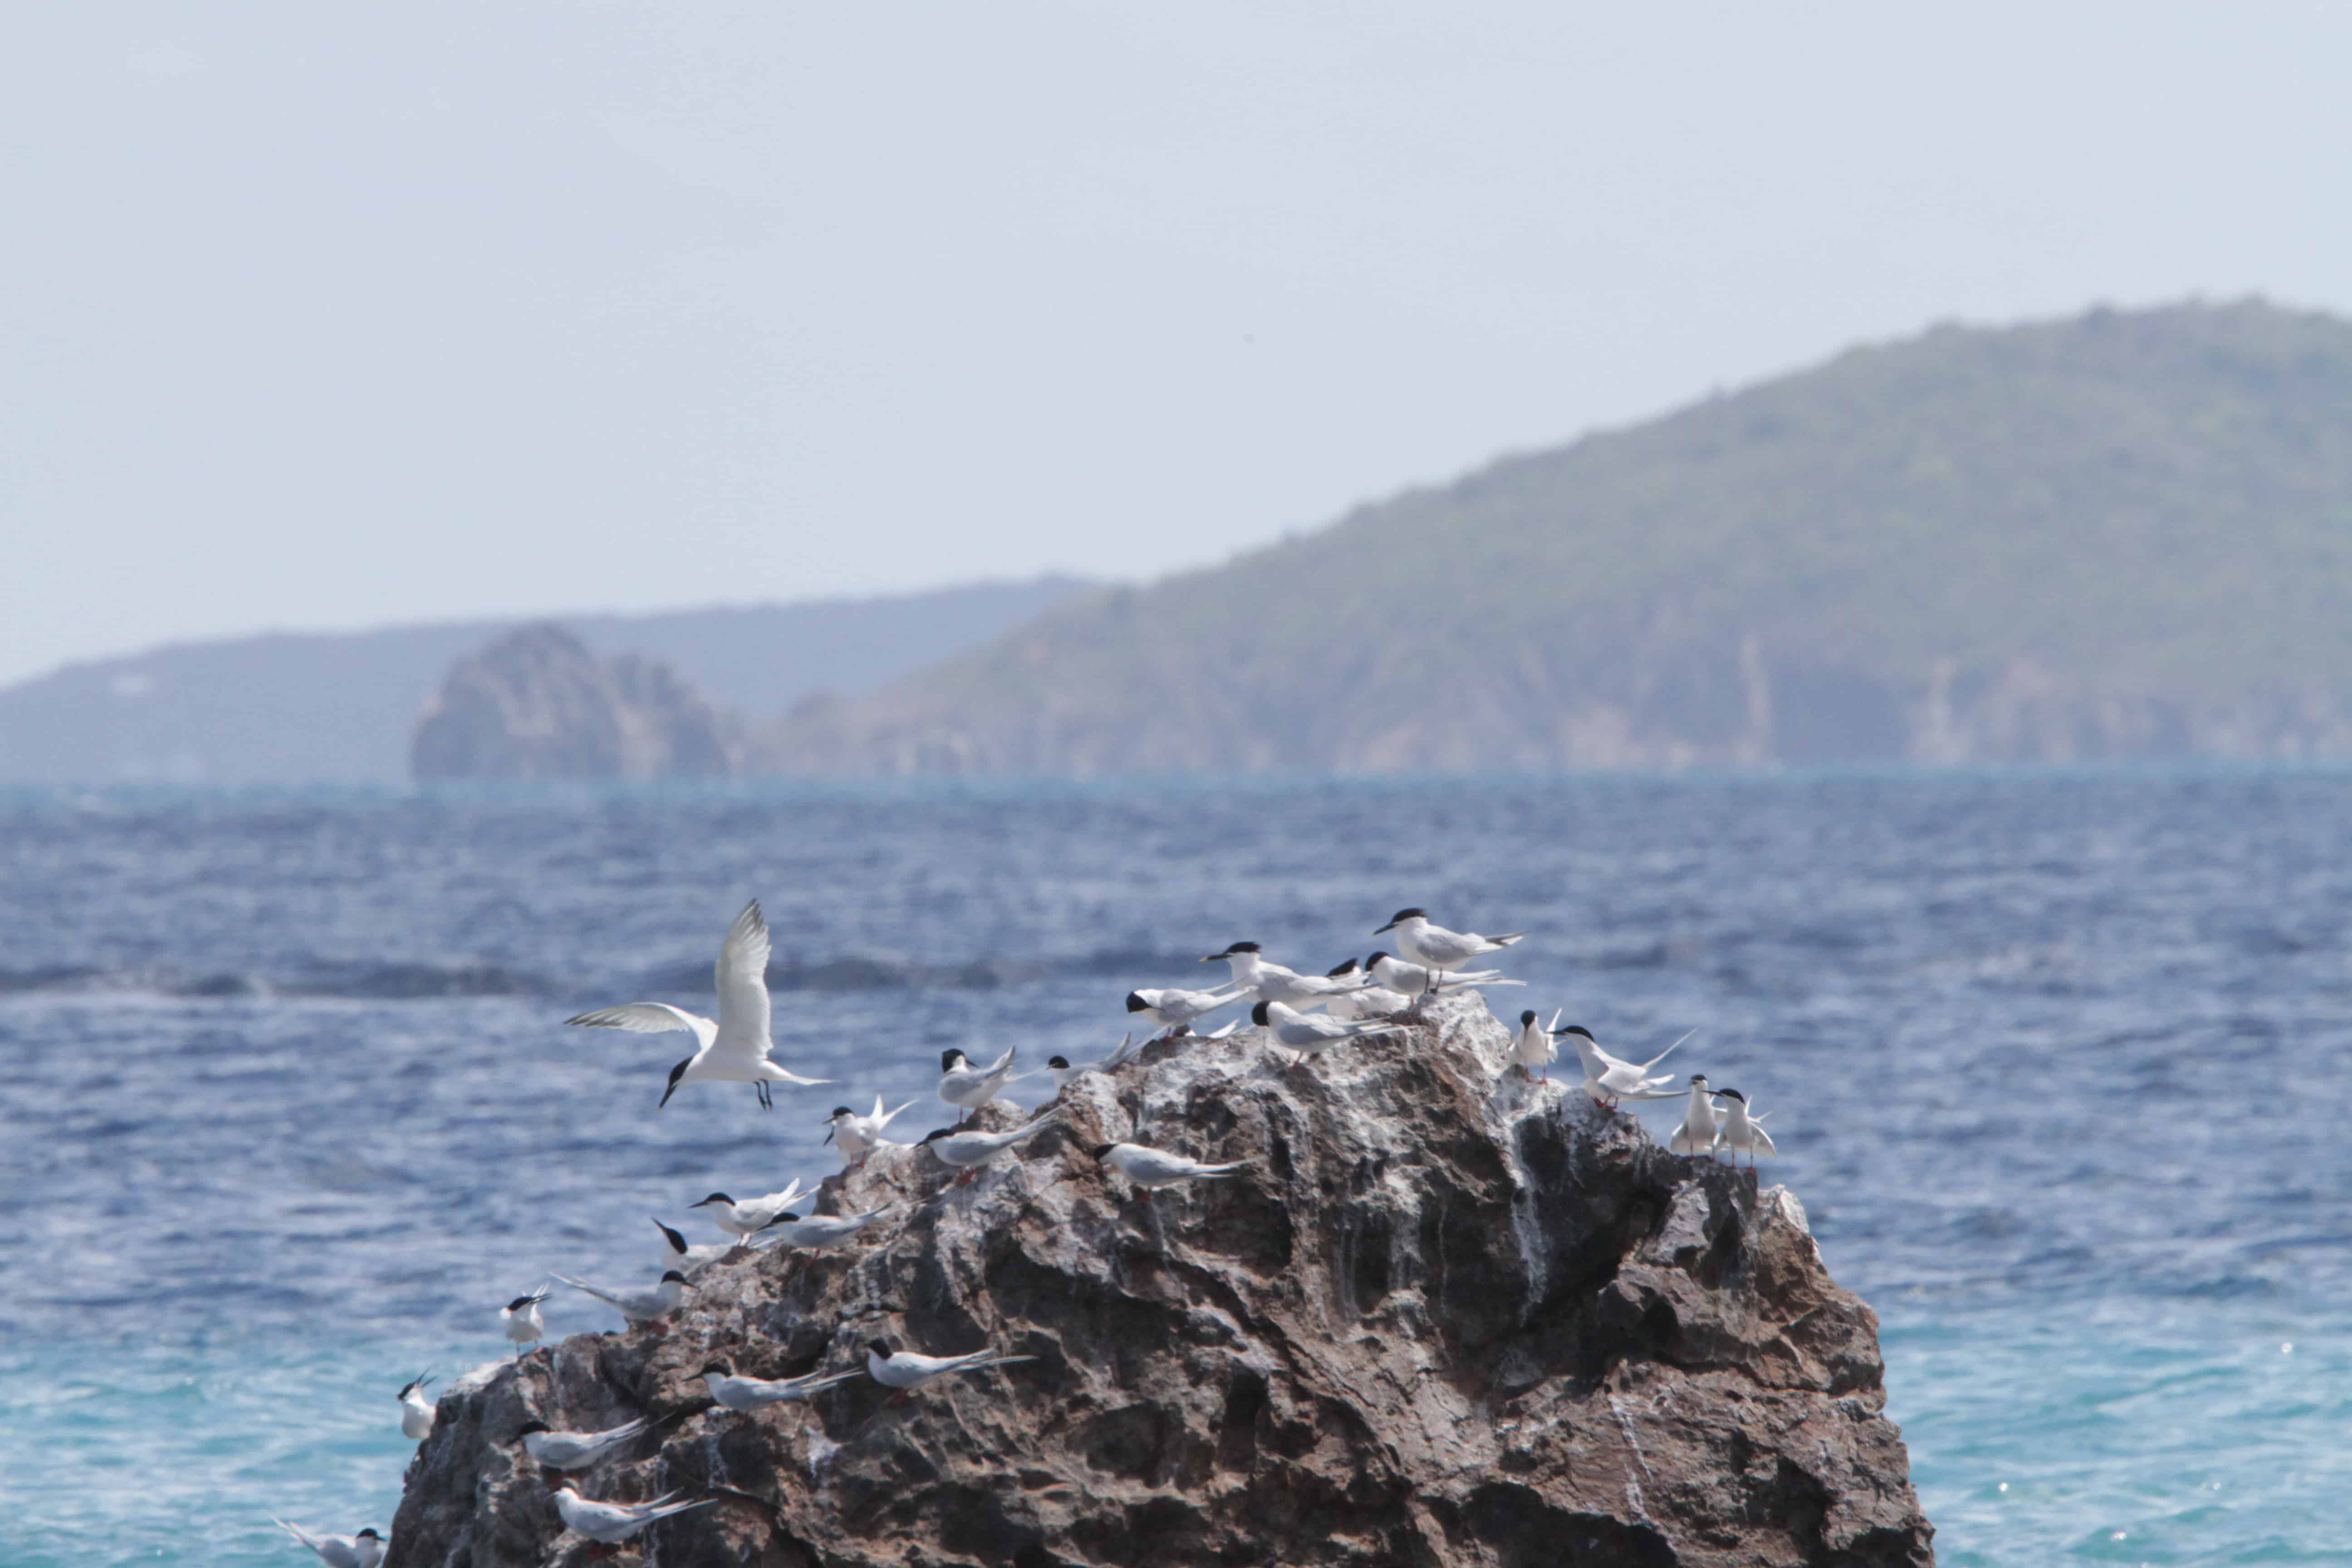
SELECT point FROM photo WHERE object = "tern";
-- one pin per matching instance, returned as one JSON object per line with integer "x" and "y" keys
{"x": 1374, "y": 1001}
{"x": 1740, "y": 1130}
{"x": 609, "y": 1522}
{"x": 1417, "y": 980}
{"x": 1156, "y": 1168}
{"x": 966, "y": 1153}
{"x": 823, "y": 1229}
{"x": 576, "y": 1450}
{"x": 678, "y": 1255}
{"x": 417, "y": 1414}
{"x": 1168, "y": 1006}
{"x": 734, "y": 1049}
{"x": 858, "y": 1136}
{"x": 1311, "y": 1037}
{"x": 1063, "y": 1072}
{"x": 522, "y": 1321}
{"x": 748, "y": 1393}
{"x": 1697, "y": 1133}
{"x": 907, "y": 1372}
{"x": 968, "y": 1088}
{"x": 640, "y": 1307}
{"x": 1535, "y": 1050}
{"x": 364, "y": 1549}
{"x": 1436, "y": 948}
{"x": 752, "y": 1215}
{"x": 1609, "y": 1080}
{"x": 1272, "y": 983}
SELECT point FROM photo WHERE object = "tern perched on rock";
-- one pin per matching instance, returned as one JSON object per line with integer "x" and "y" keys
{"x": 1697, "y": 1133}
{"x": 577, "y": 1450}
{"x": 1268, "y": 982}
{"x": 1609, "y": 1080}
{"x": 965, "y": 1152}
{"x": 1063, "y": 1071}
{"x": 1156, "y": 1168}
{"x": 858, "y": 1136}
{"x": 823, "y": 1230}
{"x": 640, "y": 1307}
{"x": 1533, "y": 1049}
{"x": 609, "y": 1522}
{"x": 1374, "y": 1001}
{"x": 1168, "y": 1006}
{"x": 1435, "y": 948}
{"x": 906, "y": 1372}
{"x": 734, "y": 1049}
{"x": 676, "y": 1254}
{"x": 1740, "y": 1130}
{"x": 416, "y": 1412}
{"x": 364, "y": 1549}
{"x": 521, "y": 1320}
{"x": 751, "y": 1215}
{"x": 968, "y": 1088}
{"x": 1419, "y": 980}
{"x": 748, "y": 1393}
{"x": 1311, "y": 1037}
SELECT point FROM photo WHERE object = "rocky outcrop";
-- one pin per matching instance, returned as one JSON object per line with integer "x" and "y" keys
{"x": 537, "y": 704}
{"x": 1445, "y": 1317}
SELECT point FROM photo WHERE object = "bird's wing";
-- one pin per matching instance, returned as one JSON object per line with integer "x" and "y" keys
{"x": 648, "y": 1018}
{"x": 1226, "y": 1169}
{"x": 297, "y": 1531}
{"x": 742, "y": 980}
{"x": 1220, "y": 1033}
{"x": 1763, "y": 1139}
{"x": 1001, "y": 1064}
{"x": 601, "y": 1295}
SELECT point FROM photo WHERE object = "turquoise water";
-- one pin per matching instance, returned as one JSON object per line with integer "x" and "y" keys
{"x": 288, "y": 1108}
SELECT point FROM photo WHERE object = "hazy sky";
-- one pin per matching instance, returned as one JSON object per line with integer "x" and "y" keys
{"x": 331, "y": 316}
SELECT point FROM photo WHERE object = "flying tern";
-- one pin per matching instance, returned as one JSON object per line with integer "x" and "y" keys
{"x": 858, "y": 1136}
{"x": 638, "y": 1307}
{"x": 823, "y": 1229}
{"x": 576, "y": 1450}
{"x": 364, "y": 1549}
{"x": 522, "y": 1321}
{"x": 968, "y": 1088}
{"x": 1168, "y": 1005}
{"x": 967, "y": 1151}
{"x": 1310, "y": 1036}
{"x": 1534, "y": 1050}
{"x": 907, "y": 1372}
{"x": 1419, "y": 980}
{"x": 609, "y": 1522}
{"x": 1435, "y": 947}
{"x": 1156, "y": 1168}
{"x": 1270, "y": 982}
{"x": 416, "y": 1412}
{"x": 1740, "y": 1130}
{"x": 734, "y": 1048}
{"x": 1697, "y": 1133}
{"x": 749, "y": 1393}
{"x": 751, "y": 1215}
{"x": 1609, "y": 1080}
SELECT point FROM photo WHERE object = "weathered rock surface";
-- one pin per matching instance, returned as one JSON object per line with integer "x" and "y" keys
{"x": 537, "y": 704}
{"x": 1447, "y": 1317}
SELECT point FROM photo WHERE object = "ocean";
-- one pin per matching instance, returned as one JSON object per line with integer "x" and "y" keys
{"x": 288, "y": 1108}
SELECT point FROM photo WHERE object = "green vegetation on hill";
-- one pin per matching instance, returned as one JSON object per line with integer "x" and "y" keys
{"x": 2127, "y": 533}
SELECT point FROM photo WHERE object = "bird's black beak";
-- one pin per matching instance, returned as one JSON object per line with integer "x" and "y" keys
{"x": 829, "y": 1130}
{"x": 1390, "y": 927}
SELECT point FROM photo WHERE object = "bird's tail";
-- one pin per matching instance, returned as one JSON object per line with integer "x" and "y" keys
{"x": 985, "y": 1362}
{"x": 591, "y": 1289}
{"x": 1763, "y": 1139}
{"x": 885, "y": 1121}
{"x": 297, "y": 1531}
{"x": 1507, "y": 938}
{"x": 1225, "y": 1170}
{"x": 1662, "y": 1056}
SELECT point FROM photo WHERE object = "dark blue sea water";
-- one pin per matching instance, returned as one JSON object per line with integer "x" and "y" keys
{"x": 286, "y": 1107}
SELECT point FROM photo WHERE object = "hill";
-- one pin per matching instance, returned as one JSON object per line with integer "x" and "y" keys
{"x": 339, "y": 707}
{"x": 2122, "y": 534}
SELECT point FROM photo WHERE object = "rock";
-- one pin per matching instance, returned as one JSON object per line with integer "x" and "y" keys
{"x": 537, "y": 704}
{"x": 1445, "y": 1317}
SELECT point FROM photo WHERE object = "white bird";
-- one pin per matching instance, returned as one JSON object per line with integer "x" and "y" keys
{"x": 1609, "y": 1079}
{"x": 734, "y": 1049}
{"x": 1697, "y": 1133}
{"x": 417, "y": 1413}
{"x": 1436, "y": 948}
{"x": 1311, "y": 1037}
{"x": 751, "y": 1215}
{"x": 823, "y": 1229}
{"x": 1535, "y": 1050}
{"x": 858, "y": 1136}
{"x": 1740, "y": 1130}
{"x": 1063, "y": 1072}
{"x": 1374, "y": 1001}
{"x": 968, "y": 1088}
{"x": 1156, "y": 1168}
{"x": 676, "y": 1254}
{"x": 364, "y": 1549}
{"x": 1270, "y": 982}
{"x": 616, "y": 1521}
{"x": 1168, "y": 1006}
{"x": 967, "y": 1151}
{"x": 638, "y": 1306}
{"x": 748, "y": 1393}
{"x": 522, "y": 1321}
{"x": 576, "y": 1450}
{"x": 1419, "y": 980}
{"x": 906, "y": 1372}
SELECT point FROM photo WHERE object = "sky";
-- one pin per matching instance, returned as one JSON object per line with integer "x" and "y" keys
{"x": 320, "y": 317}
